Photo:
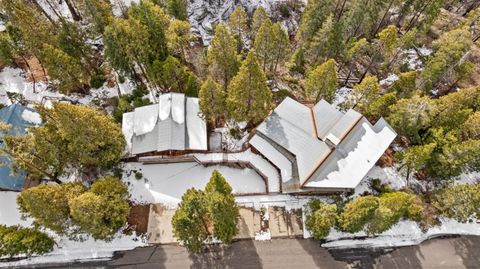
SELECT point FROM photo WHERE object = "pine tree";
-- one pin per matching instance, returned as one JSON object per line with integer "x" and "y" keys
{"x": 405, "y": 85}
{"x": 179, "y": 37}
{"x": 238, "y": 26}
{"x": 364, "y": 94}
{"x": 211, "y": 100}
{"x": 280, "y": 48}
{"x": 48, "y": 205}
{"x": 321, "y": 217}
{"x": 259, "y": 16}
{"x": 264, "y": 43}
{"x": 222, "y": 207}
{"x": 322, "y": 82}
{"x": 171, "y": 76}
{"x": 103, "y": 210}
{"x": 357, "y": 213}
{"x": 98, "y": 12}
{"x": 459, "y": 201}
{"x": 222, "y": 56}
{"x": 249, "y": 98}
{"x": 327, "y": 42}
{"x": 313, "y": 17}
{"x": 471, "y": 127}
{"x": 451, "y": 47}
{"x": 177, "y": 9}
{"x": 410, "y": 116}
{"x": 16, "y": 241}
{"x": 71, "y": 137}
{"x": 191, "y": 221}
{"x": 68, "y": 71}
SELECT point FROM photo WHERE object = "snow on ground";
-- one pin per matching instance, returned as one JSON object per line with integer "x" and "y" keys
{"x": 263, "y": 235}
{"x": 389, "y": 80}
{"x": 65, "y": 250}
{"x": 12, "y": 80}
{"x": 166, "y": 183}
{"x": 9, "y": 214}
{"x": 404, "y": 233}
{"x": 341, "y": 96}
{"x": 413, "y": 59}
{"x": 469, "y": 178}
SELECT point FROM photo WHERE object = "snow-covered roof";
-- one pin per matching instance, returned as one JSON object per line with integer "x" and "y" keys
{"x": 172, "y": 124}
{"x": 331, "y": 149}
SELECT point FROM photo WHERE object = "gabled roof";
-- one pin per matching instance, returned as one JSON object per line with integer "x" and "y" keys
{"x": 20, "y": 118}
{"x": 331, "y": 149}
{"x": 172, "y": 124}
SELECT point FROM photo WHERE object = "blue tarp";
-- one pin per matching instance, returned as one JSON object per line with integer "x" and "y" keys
{"x": 13, "y": 116}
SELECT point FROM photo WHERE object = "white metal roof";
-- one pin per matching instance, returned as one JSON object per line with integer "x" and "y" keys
{"x": 172, "y": 124}
{"x": 354, "y": 156}
{"x": 355, "y": 144}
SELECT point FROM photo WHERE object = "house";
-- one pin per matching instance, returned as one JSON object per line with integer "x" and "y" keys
{"x": 20, "y": 118}
{"x": 320, "y": 149}
{"x": 173, "y": 124}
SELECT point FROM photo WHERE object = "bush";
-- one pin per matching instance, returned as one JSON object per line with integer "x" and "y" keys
{"x": 127, "y": 103}
{"x": 97, "y": 80}
{"x": 321, "y": 217}
{"x": 16, "y": 240}
{"x": 357, "y": 213}
{"x": 460, "y": 202}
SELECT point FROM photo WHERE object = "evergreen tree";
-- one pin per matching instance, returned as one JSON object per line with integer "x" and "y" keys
{"x": 364, "y": 94}
{"x": 322, "y": 82}
{"x": 211, "y": 100}
{"x": 103, "y": 210}
{"x": 451, "y": 47}
{"x": 357, "y": 213}
{"x": 313, "y": 17}
{"x": 179, "y": 37}
{"x": 471, "y": 127}
{"x": 191, "y": 221}
{"x": 98, "y": 12}
{"x": 201, "y": 215}
{"x": 459, "y": 201}
{"x": 48, "y": 205}
{"x": 259, "y": 16}
{"x": 409, "y": 117}
{"x": 280, "y": 48}
{"x": 177, "y": 9}
{"x": 171, "y": 76}
{"x": 327, "y": 42}
{"x": 222, "y": 56}
{"x": 71, "y": 137}
{"x": 264, "y": 43}
{"x": 405, "y": 85}
{"x": 223, "y": 209}
{"x": 321, "y": 217}
{"x": 238, "y": 26}
{"x": 249, "y": 98}
{"x": 16, "y": 240}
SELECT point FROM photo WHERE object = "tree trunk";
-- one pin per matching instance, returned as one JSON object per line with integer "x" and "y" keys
{"x": 71, "y": 8}
{"x": 39, "y": 8}
{"x": 31, "y": 72}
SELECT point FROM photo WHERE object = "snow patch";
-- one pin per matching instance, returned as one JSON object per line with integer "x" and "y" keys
{"x": 263, "y": 235}
{"x": 31, "y": 117}
{"x": 389, "y": 80}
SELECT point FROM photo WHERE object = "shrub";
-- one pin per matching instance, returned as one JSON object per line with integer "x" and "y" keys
{"x": 460, "y": 202}
{"x": 97, "y": 80}
{"x": 320, "y": 218}
{"x": 16, "y": 240}
{"x": 357, "y": 213}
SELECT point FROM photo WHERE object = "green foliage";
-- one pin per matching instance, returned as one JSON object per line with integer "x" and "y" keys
{"x": 357, "y": 213}
{"x": 321, "y": 218}
{"x": 364, "y": 94}
{"x": 322, "y": 82}
{"x": 297, "y": 60}
{"x": 471, "y": 127}
{"x": 48, "y": 205}
{"x": 7, "y": 50}
{"x": 450, "y": 48}
{"x": 259, "y": 16}
{"x": 211, "y": 100}
{"x": 103, "y": 210}
{"x": 72, "y": 137}
{"x": 238, "y": 26}
{"x": 16, "y": 240}
{"x": 263, "y": 43}
{"x": 179, "y": 37}
{"x": 249, "y": 98}
{"x": 379, "y": 107}
{"x": 177, "y": 9}
{"x": 405, "y": 85}
{"x": 171, "y": 76}
{"x": 190, "y": 221}
{"x": 223, "y": 60}
{"x": 459, "y": 201}
{"x": 98, "y": 12}
{"x": 129, "y": 102}
{"x": 97, "y": 80}
{"x": 203, "y": 214}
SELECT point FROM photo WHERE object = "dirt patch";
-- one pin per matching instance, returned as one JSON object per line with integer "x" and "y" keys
{"x": 387, "y": 159}
{"x": 138, "y": 218}
{"x": 35, "y": 67}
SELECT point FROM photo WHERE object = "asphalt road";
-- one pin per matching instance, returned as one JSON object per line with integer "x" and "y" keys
{"x": 447, "y": 253}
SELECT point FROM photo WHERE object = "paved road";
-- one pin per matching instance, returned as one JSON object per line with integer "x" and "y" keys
{"x": 448, "y": 253}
